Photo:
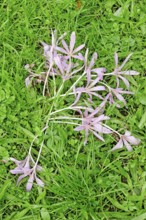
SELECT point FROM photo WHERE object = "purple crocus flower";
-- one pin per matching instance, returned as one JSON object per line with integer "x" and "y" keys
{"x": 69, "y": 50}
{"x": 117, "y": 93}
{"x": 126, "y": 140}
{"x": 24, "y": 168}
{"x": 65, "y": 67}
{"x": 118, "y": 70}
{"x": 90, "y": 89}
{"x": 93, "y": 124}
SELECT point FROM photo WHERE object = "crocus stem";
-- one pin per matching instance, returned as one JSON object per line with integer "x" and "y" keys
{"x": 67, "y": 118}
{"x": 54, "y": 82}
{"x": 60, "y": 110}
{"x": 109, "y": 88}
{"x": 30, "y": 148}
{"x": 39, "y": 154}
{"x": 59, "y": 91}
{"x": 75, "y": 82}
{"x": 46, "y": 79}
{"x": 66, "y": 122}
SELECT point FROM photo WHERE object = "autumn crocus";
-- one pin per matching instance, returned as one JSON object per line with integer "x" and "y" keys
{"x": 118, "y": 94}
{"x": 91, "y": 89}
{"x": 118, "y": 72}
{"x": 93, "y": 124}
{"x": 69, "y": 51}
{"x": 126, "y": 140}
{"x": 25, "y": 169}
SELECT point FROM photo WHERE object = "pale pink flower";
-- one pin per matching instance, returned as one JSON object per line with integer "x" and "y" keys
{"x": 118, "y": 94}
{"x": 93, "y": 124}
{"x": 24, "y": 168}
{"x": 118, "y": 71}
{"x": 126, "y": 140}
{"x": 90, "y": 89}
{"x": 69, "y": 51}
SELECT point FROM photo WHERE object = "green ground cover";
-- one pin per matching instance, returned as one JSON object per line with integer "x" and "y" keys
{"x": 81, "y": 183}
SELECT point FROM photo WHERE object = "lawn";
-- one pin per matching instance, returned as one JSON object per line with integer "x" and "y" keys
{"x": 80, "y": 182}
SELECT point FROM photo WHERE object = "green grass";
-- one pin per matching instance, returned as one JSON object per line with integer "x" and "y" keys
{"x": 81, "y": 183}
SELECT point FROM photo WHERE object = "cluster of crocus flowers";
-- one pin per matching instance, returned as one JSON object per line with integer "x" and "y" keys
{"x": 25, "y": 169}
{"x": 70, "y": 63}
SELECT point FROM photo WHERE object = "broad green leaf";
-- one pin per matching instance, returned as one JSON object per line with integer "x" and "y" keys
{"x": 142, "y": 99}
{"x": 142, "y": 122}
{"x": 45, "y": 214}
{"x": 18, "y": 215}
{"x": 140, "y": 217}
{"x": 41, "y": 196}
{"x": 4, "y": 188}
{"x": 117, "y": 204}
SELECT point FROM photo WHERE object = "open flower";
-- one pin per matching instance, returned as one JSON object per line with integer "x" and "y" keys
{"x": 65, "y": 68}
{"x": 118, "y": 71}
{"x": 93, "y": 124}
{"x": 69, "y": 50}
{"x": 117, "y": 93}
{"x": 90, "y": 89}
{"x": 24, "y": 168}
{"x": 126, "y": 140}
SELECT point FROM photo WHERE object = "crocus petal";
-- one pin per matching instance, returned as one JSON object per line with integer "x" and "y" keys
{"x": 65, "y": 46}
{"x": 17, "y": 170}
{"x": 20, "y": 178}
{"x": 39, "y": 182}
{"x": 118, "y": 81}
{"x": 72, "y": 41}
{"x": 94, "y": 57}
{"x": 98, "y": 88}
{"x": 100, "y": 118}
{"x": 130, "y": 72}
{"x": 30, "y": 182}
{"x": 79, "y": 128}
{"x": 100, "y": 72}
{"x": 116, "y": 59}
{"x": 79, "y": 48}
{"x": 79, "y": 56}
{"x": 99, "y": 128}
{"x": 20, "y": 163}
{"x": 46, "y": 47}
{"x": 132, "y": 140}
{"x": 98, "y": 136}
{"x": 61, "y": 50}
{"x": 126, "y": 82}
{"x": 97, "y": 95}
{"x": 88, "y": 71}
{"x": 28, "y": 81}
{"x": 125, "y": 61}
{"x": 86, "y": 136}
{"x": 119, "y": 145}
{"x": 120, "y": 97}
{"x": 77, "y": 98}
{"x": 127, "y": 133}
{"x": 59, "y": 64}
{"x": 127, "y": 145}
